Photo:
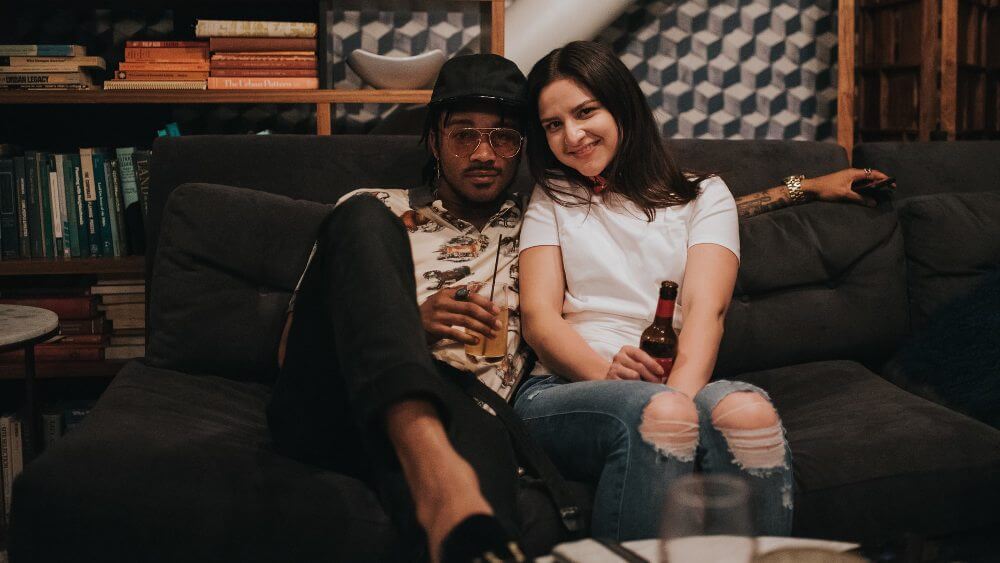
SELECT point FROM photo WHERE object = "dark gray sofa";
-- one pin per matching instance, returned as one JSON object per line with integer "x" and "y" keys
{"x": 175, "y": 462}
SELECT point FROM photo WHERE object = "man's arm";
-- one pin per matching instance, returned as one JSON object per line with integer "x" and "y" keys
{"x": 831, "y": 187}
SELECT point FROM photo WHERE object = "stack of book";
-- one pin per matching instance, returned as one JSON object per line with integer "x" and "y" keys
{"x": 258, "y": 55}
{"x": 124, "y": 304}
{"x": 47, "y": 67}
{"x": 83, "y": 328}
{"x": 162, "y": 65}
{"x": 85, "y": 204}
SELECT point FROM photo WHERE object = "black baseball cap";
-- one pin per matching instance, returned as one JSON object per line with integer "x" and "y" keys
{"x": 480, "y": 77}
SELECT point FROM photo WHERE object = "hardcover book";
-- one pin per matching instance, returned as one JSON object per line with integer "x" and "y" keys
{"x": 166, "y": 54}
{"x": 49, "y": 64}
{"x": 190, "y": 66}
{"x": 248, "y": 44}
{"x": 9, "y": 245}
{"x": 154, "y": 84}
{"x": 103, "y": 204}
{"x": 43, "y": 50}
{"x": 90, "y": 203}
{"x": 236, "y": 28}
{"x": 115, "y": 196}
{"x": 21, "y": 187}
{"x": 222, "y": 83}
{"x": 72, "y": 225}
{"x": 34, "y": 205}
{"x": 134, "y": 235}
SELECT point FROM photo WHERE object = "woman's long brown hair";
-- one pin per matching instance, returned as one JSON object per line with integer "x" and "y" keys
{"x": 642, "y": 170}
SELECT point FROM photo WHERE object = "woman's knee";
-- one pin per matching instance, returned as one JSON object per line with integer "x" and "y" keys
{"x": 744, "y": 410}
{"x": 670, "y": 424}
{"x": 751, "y": 427}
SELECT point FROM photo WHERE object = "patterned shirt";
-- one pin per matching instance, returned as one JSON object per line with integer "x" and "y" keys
{"x": 449, "y": 252}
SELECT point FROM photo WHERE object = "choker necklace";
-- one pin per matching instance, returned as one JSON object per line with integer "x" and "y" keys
{"x": 600, "y": 184}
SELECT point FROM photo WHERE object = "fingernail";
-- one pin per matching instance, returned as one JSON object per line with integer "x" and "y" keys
{"x": 498, "y": 325}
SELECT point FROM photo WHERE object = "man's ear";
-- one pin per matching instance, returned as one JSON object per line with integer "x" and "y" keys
{"x": 432, "y": 138}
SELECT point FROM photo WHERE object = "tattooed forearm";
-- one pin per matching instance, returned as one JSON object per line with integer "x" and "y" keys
{"x": 762, "y": 202}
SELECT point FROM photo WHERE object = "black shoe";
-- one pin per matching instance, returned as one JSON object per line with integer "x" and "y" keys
{"x": 479, "y": 538}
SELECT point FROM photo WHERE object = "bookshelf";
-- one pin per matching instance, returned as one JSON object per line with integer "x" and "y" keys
{"x": 918, "y": 69}
{"x": 125, "y": 103}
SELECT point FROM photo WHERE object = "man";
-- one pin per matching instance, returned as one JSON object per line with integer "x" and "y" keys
{"x": 371, "y": 382}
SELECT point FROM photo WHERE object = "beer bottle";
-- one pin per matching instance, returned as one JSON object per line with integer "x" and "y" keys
{"x": 659, "y": 339}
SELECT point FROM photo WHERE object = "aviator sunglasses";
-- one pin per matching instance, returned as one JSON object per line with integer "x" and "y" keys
{"x": 506, "y": 142}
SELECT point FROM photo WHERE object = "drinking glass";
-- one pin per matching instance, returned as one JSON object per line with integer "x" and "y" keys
{"x": 707, "y": 519}
{"x": 495, "y": 347}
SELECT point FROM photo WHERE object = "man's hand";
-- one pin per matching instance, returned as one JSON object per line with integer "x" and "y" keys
{"x": 837, "y": 186}
{"x": 631, "y": 363}
{"x": 443, "y": 316}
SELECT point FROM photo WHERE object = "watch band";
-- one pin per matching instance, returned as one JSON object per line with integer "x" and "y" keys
{"x": 794, "y": 185}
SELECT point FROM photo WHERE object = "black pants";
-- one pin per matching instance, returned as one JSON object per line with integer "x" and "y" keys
{"x": 355, "y": 347}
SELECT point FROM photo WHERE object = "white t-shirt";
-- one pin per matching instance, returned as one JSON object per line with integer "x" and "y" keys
{"x": 614, "y": 258}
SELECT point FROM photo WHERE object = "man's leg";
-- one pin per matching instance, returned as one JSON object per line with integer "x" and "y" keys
{"x": 357, "y": 351}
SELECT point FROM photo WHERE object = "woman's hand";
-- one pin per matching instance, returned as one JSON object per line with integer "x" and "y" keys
{"x": 631, "y": 363}
{"x": 442, "y": 315}
{"x": 837, "y": 186}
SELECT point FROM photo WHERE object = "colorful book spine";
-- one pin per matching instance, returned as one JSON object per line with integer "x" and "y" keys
{"x": 237, "y": 28}
{"x": 34, "y": 205}
{"x": 6, "y": 469}
{"x": 79, "y": 211}
{"x": 90, "y": 204}
{"x": 117, "y": 209}
{"x": 265, "y": 72}
{"x": 58, "y": 204}
{"x": 95, "y": 325}
{"x": 65, "y": 306}
{"x": 154, "y": 84}
{"x": 42, "y": 170}
{"x": 71, "y": 225}
{"x": 23, "y": 238}
{"x": 166, "y": 54}
{"x": 43, "y": 50}
{"x": 198, "y": 44}
{"x": 49, "y": 64}
{"x": 189, "y": 66}
{"x": 252, "y": 44}
{"x": 160, "y": 75}
{"x": 103, "y": 204}
{"x": 31, "y": 79}
{"x": 263, "y": 83}
{"x": 134, "y": 235}
{"x": 141, "y": 160}
{"x": 9, "y": 244}
{"x": 232, "y": 64}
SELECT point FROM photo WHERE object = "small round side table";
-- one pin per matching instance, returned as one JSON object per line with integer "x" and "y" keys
{"x": 23, "y": 327}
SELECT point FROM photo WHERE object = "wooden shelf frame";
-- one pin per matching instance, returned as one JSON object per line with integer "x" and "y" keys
{"x": 126, "y": 265}
{"x": 491, "y": 17}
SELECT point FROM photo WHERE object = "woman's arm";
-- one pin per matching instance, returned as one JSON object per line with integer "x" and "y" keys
{"x": 832, "y": 187}
{"x": 558, "y": 345}
{"x": 709, "y": 279}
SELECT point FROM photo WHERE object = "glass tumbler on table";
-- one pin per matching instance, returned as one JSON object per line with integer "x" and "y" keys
{"x": 707, "y": 519}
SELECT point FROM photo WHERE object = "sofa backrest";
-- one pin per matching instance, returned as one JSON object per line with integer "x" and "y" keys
{"x": 934, "y": 167}
{"x": 824, "y": 281}
{"x": 820, "y": 281}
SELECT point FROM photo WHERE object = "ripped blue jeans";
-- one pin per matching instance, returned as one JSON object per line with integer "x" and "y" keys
{"x": 595, "y": 432}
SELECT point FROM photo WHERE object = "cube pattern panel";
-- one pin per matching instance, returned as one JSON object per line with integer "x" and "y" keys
{"x": 709, "y": 68}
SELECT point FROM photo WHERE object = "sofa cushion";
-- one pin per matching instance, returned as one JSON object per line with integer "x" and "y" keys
{"x": 955, "y": 360}
{"x": 816, "y": 282}
{"x": 934, "y": 167}
{"x": 952, "y": 244}
{"x": 172, "y": 467}
{"x": 227, "y": 262}
{"x": 873, "y": 461}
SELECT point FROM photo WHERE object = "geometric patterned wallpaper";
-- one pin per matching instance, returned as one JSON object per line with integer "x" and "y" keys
{"x": 751, "y": 69}
{"x": 709, "y": 68}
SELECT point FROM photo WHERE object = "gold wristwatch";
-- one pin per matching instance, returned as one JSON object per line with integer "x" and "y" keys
{"x": 794, "y": 185}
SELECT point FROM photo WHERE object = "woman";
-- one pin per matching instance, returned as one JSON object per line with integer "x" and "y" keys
{"x": 611, "y": 217}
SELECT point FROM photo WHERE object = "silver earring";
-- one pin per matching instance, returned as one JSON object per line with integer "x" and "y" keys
{"x": 437, "y": 168}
